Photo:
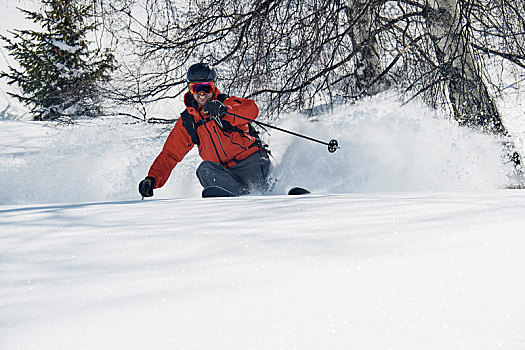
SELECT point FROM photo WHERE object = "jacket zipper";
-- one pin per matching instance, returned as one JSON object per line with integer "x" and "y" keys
{"x": 211, "y": 138}
{"x": 219, "y": 139}
{"x": 213, "y": 143}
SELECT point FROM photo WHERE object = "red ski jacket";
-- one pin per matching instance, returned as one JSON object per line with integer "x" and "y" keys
{"x": 216, "y": 145}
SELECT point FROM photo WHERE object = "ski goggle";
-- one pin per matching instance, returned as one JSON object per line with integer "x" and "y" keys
{"x": 206, "y": 87}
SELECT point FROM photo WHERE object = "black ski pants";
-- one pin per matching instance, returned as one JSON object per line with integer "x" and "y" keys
{"x": 250, "y": 174}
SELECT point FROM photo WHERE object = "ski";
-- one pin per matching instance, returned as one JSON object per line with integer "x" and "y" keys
{"x": 216, "y": 191}
{"x": 298, "y": 191}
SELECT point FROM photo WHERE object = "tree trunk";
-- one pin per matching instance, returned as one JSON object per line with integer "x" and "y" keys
{"x": 471, "y": 101}
{"x": 364, "y": 40}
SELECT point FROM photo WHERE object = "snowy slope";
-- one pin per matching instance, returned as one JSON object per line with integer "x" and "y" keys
{"x": 354, "y": 271}
{"x": 407, "y": 243}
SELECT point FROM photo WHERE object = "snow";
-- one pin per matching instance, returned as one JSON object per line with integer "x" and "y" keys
{"x": 437, "y": 270}
{"x": 394, "y": 250}
{"x": 65, "y": 47}
{"x": 409, "y": 240}
{"x": 384, "y": 148}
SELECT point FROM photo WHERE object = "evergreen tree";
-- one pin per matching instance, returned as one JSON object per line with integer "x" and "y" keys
{"x": 59, "y": 76}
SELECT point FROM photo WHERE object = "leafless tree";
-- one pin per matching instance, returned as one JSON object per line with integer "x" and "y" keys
{"x": 299, "y": 55}
{"x": 291, "y": 55}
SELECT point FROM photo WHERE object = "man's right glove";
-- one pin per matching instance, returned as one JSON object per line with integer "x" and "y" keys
{"x": 146, "y": 186}
{"x": 215, "y": 109}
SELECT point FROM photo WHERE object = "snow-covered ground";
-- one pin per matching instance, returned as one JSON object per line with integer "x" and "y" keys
{"x": 408, "y": 242}
{"x": 355, "y": 271}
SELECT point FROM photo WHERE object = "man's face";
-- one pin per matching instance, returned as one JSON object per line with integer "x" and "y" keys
{"x": 202, "y": 92}
{"x": 202, "y": 97}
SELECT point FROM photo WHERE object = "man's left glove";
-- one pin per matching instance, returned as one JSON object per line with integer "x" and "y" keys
{"x": 146, "y": 186}
{"x": 215, "y": 109}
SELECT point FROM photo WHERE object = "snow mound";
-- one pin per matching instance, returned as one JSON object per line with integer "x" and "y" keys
{"x": 388, "y": 147}
{"x": 384, "y": 147}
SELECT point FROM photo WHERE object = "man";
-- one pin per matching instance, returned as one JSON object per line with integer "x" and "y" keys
{"x": 233, "y": 158}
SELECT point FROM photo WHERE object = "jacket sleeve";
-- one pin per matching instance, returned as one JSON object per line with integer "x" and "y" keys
{"x": 243, "y": 107}
{"x": 177, "y": 145}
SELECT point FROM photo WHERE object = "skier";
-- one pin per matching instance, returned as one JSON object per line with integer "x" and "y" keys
{"x": 234, "y": 158}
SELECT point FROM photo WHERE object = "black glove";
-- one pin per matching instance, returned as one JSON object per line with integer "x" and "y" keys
{"x": 215, "y": 109}
{"x": 146, "y": 186}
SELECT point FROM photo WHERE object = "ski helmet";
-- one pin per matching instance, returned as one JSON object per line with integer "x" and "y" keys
{"x": 201, "y": 72}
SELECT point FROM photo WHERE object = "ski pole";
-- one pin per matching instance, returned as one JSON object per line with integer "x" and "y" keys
{"x": 332, "y": 145}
